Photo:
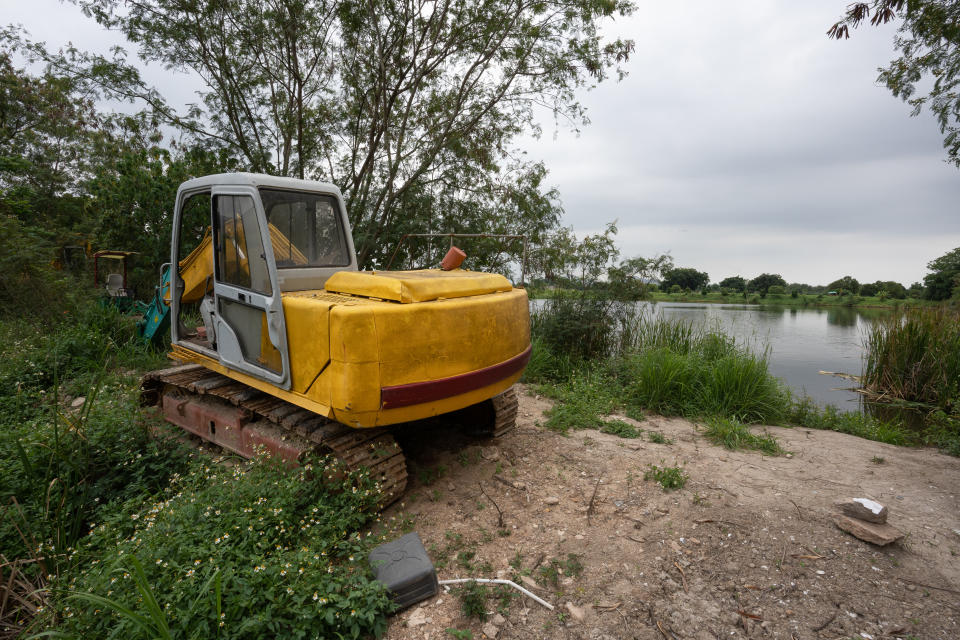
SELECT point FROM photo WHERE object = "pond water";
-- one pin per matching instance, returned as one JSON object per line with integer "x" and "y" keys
{"x": 802, "y": 342}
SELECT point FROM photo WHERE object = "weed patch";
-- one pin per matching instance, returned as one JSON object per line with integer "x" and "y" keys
{"x": 736, "y": 435}
{"x": 669, "y": 478}
{"x": 621, "y": 428}
{"x": 473, "y": 600}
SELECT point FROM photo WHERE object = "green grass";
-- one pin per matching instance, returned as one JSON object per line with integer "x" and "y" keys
{"x": 669, "y": 478}
{"x": 657, "y": 437}
{"x": 736, "y": 435}
{"x": 621, "y": 428}
{"x": 583, "y": 400}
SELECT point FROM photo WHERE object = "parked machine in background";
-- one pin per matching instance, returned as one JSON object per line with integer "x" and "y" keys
{"x": 285, "y": 345}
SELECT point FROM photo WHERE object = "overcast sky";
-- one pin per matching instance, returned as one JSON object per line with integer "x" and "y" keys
{"x": 743, "y": 141}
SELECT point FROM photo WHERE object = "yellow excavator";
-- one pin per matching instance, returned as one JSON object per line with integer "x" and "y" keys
{"x": 285, "y": 347}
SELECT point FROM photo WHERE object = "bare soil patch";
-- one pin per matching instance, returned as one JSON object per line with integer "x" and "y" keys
{"x": 747, "y": 549}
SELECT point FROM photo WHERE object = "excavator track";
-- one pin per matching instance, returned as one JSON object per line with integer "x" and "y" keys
{"x": 247, "y": 421}
{"x": 505, "y": 407}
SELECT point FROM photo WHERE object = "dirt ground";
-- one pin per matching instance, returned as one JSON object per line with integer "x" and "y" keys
{"x": 747, "y": 549}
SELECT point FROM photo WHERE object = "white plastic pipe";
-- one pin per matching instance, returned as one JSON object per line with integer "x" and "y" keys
{"x": 512, "y": 584}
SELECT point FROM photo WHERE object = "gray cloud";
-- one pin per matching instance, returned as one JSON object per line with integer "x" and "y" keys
{"x": 745, "y": 141}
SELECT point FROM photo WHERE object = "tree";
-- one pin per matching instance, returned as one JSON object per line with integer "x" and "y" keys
{"x": 685, "y": 278}
{"x": 888, "y": 288}
{"x": 734, "y": 283}
{"x": 776, "y": 290}
{"x": 45, "y": 128}
{"x": 410, "y": 106}
{"x": 632, "y": 278}
{"x": 928, "y": 41}
{"x": 846, "y": 284}
{"x": 944, "y": 276}
{"x": 764, "y": 281}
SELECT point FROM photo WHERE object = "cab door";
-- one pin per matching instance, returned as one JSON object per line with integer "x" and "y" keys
{"x": 250, "y": 329}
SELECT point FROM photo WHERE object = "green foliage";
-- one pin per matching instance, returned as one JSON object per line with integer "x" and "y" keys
{"x": 736, "y": 435}
{"x": 685, "y": 278}
{"x": 551, "y": 571}
{"x": 915, "y": 358}
{"x": 631, "y": 279}
{"x": 944, "y": 276}
{"x": 277, "y": 542}
{"x": 29, "y": 283}
{"x": 805, "y": 413}
{"x": 657, "y": 437}
{"x": 582, "y": 326}
{"x": 584, "y": 399}
{"x": 734, "y": 283}
{"x": 444, "y": 135}
{"x": 776, "y": 290}
{"x": 473, "y": 600}
{"x": 621, "y": 428}
{"x": 845, "y": 285}
{"x": 460, "y": 634}
{"x": 45, "y": 124}
{"x": 764, "y": 281}
{"x": 928, "y": 42}
{"x": 669, "y": 478}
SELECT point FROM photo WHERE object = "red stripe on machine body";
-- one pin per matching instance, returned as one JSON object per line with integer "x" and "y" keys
{"x": 405, "y": 395}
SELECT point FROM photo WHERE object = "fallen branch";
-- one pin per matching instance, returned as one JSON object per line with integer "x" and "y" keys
{"x": 596, "y": 487}
{"x": 506, "y": 482}
{"x": 799, "y": 514}
{"x": 733, "y": 524}
{"x": 929, "y": 586}
{"x": 500, "y": 524}
{"x": 824, "y": 625}
{"x": 683, "y": 576}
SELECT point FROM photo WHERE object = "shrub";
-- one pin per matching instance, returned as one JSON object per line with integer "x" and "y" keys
{"x": 582, "y": 326}
{"x": 252, "y": 551}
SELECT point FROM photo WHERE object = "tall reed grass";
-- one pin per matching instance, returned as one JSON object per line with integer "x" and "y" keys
{"x": 681, "y": 368}
{"x": 915, "y": 357}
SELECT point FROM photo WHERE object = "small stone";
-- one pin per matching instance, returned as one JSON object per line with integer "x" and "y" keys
{"x": 490, "y": 631}
{"x": 551, "y": 500}
{"x": 417, "y": 618}
{"x": 490, "y": 453}
{"x": 872, "y": 532}
{"x": 911, "y": 587}
{"x": 498, "y": 620}
{"x": 578, "y": 613}
{"x": 451, "y": 486}
{"x": 864, "y": 509}
{"x": 78, "y": 402}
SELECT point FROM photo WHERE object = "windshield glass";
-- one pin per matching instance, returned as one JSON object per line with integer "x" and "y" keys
{"x": 305, "y": 229}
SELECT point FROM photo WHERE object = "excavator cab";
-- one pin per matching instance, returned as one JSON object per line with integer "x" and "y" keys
{"x": 259, "y": 241}
{"x": 283, "y": 344}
